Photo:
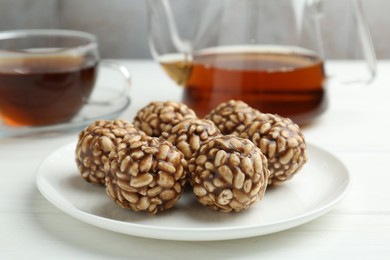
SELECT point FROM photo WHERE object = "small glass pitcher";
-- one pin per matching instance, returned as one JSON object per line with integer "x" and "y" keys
{"x": 267, "y": 53}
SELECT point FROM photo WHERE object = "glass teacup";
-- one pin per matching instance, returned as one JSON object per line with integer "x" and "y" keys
{"x": 47, "y": 76}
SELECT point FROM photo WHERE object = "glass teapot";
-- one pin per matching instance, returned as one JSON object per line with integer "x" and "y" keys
{"x": 267, "y": 53}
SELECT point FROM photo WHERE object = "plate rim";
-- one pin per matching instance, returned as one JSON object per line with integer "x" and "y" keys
{"x": 181, "y": 234}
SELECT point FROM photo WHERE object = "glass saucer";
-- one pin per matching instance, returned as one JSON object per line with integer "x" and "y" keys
{"x": 91, "y": 112}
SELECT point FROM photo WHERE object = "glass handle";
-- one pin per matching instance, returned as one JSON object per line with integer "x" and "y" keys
{"x": 364, "y": 37}
{"x": 366, "y": 41}
{"x": 126, "y": 77}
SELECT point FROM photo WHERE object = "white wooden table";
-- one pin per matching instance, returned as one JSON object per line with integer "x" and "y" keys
{"x": 356, "y": 128}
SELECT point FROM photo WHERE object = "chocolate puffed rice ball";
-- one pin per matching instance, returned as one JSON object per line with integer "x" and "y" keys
{"x": 228, "y": 173}
{"x": 189, "y": 134}
{"x": 147, "y": 174}
{"x": 281, "y": 141}
{"x": 95, "y": 143}
{"x": 159, "y": 117}
{"x": 230, "y": 117}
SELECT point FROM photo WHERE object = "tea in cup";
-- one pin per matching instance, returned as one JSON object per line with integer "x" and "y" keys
{"x": 46, "y": 76}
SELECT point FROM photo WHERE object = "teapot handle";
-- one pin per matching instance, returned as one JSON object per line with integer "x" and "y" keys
{"x": 365, "y": 38}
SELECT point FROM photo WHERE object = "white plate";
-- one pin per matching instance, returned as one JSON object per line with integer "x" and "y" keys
{"x": 322, "y": 183}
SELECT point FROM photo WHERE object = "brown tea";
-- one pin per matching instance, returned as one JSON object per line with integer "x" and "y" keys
{"x": 44, "y": 90}
{"x": 288, "y": 82}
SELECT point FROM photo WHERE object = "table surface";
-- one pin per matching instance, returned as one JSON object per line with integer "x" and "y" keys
{"x": 355, "y": 128}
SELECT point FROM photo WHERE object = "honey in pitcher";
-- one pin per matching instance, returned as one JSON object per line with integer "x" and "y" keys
{"x": 288, "y": 81}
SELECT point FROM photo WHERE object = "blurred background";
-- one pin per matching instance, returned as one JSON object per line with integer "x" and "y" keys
{"x": 121, "y": 25}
